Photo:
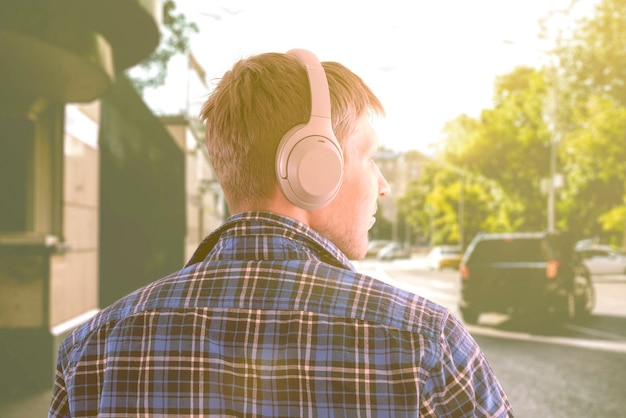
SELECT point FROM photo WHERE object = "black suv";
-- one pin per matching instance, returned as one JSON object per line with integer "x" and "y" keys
{"x": 535, "y": 273}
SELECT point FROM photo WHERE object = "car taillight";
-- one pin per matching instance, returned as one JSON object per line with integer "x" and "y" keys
{"x": 552, "y": 269}
{"x": 464, "y": 271}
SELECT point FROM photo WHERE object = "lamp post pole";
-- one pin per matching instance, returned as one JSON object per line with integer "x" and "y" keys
{"x": 551, "y": 185}
{"x": 462, "y": 212}
{"x": 554, "y": 181}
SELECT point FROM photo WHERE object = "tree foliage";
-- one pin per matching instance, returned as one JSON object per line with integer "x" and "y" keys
{"x": 593, "y": 159}
{"x": 593, "y": 67}
{"x": 450, "y": 206}
{"x": 593, "y": 56}
{"x": 511, "y": 142}
{"x": 175, "y": 32}
{"x": 579, "y": 103}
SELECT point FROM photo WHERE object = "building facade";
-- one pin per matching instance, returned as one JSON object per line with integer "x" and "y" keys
{"x": 399, "y": 168}
{"x": 97, "y": 195}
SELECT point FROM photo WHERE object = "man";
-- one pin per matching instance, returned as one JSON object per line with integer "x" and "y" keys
{"x": 269, "y": 317}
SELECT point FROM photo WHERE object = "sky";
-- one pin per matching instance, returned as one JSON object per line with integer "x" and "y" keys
{"x": 427, "y": 61}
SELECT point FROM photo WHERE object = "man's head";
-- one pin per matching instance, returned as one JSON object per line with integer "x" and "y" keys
{"x": 249, "y": 112}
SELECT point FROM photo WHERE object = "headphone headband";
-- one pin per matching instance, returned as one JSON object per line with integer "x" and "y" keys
{"x": 320, "y": 95}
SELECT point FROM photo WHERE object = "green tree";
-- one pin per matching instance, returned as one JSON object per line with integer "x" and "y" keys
{"x": 434, "y": 202}
{"x": 593, "y": 55}
{"x": 413, "y": 203}
{"x": 592, "y": 61}
{"x": 594, "y": 164}
{"x": 490, "y": 168}
{"x": 578, "y": 104}
{"x": 175, "y": 32}
{"x": 509, "y": 144}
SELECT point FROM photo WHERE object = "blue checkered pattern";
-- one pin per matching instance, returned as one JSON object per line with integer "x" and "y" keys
{"x": 269, "y": 319}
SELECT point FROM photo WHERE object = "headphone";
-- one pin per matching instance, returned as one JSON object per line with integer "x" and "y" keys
{"x": 309, "y": 161}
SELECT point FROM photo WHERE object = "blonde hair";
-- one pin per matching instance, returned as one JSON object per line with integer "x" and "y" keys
{"x": 256, "y": 103}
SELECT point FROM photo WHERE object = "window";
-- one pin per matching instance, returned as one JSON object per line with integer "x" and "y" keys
{"x": 30, "y": 170}
{"x": 511, "y": 250}
{"x": 17, "y": 142}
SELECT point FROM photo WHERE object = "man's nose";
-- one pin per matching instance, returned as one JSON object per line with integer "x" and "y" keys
{"x": 383, "y": 187}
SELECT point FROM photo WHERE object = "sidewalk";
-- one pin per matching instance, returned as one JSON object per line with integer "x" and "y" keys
{"x": 32, "y": 406}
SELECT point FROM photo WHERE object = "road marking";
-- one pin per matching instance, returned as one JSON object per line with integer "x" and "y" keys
{"x": 595, "y": 332}
{"x": 614, "y": 346}
{"x": 441, "y": 284}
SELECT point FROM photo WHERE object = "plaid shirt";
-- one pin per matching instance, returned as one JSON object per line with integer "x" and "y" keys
{"x": 270, "y": 319}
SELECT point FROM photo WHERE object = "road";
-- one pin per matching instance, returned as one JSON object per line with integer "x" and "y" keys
{"x": 559, "y": 370}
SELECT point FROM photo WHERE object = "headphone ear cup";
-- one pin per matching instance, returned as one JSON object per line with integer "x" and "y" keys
{"x": 309, "y": 168}
{"x": 309, "y": 161}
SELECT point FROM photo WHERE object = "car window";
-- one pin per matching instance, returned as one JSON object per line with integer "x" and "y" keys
{"x": 510, "y": 250}
{"x": 450, "y": 251}
{"x": 600, "y": 252}
{"x": 594, "y": 253}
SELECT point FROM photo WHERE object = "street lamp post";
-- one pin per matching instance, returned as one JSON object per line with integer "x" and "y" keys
{"x": 554, "y": 180}
{"x": 551, "y": 185}
{"x": 462, "y": 212}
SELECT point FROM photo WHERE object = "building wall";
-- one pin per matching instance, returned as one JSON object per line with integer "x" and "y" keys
{"x": 30, "y": 241}
{"x": 115, "y": 202}
{"x": 74, "y": 272}
{"x": 54, "y": 53}
{"x": 399, "y": 168}
{"x": 142, "y": 192}
{"x": 205, "y": 206}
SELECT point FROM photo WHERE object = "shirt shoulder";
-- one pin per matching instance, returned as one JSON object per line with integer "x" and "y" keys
{"x": 295, "y": 285}
{"x": 435, "y": 344}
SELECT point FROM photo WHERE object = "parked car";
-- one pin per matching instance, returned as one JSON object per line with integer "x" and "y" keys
{"x": 535, "y": 273}
{"x": 444, "y": 256}
{"x": 375, "y": 246}
{"x": 394, "y": 250}
{"x": 603, "y": 259}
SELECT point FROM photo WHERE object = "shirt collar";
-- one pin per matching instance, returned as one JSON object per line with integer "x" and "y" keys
{"x": 258, "y": 222}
